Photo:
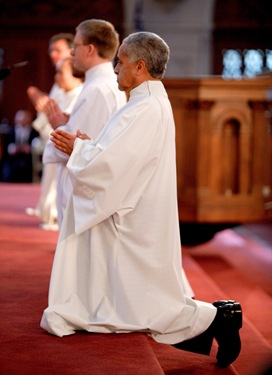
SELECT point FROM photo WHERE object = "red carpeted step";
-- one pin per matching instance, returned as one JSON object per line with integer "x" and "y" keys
{"x": 178, "y": 362}
{"x": 26, "y": 255}
{"x": 25, "y": 264}
{"x": 30, "y": 351}
{"x": 231, "y": 262}
{"x": 213, "y": 277}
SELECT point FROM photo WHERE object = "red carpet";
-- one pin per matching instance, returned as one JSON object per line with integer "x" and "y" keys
{"x": 216, "y": 270}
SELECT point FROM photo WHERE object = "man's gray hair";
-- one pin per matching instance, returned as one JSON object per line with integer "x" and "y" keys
{"x": 150, "y": 48}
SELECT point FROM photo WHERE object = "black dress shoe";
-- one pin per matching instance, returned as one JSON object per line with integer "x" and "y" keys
{"x": 225, "y": 329}
{"x": 227, "y": 323}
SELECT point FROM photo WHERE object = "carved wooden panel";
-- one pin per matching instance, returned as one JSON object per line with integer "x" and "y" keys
{"x": 224, "y": 153}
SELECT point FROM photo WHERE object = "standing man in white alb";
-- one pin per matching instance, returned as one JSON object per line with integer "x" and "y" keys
{"x": 46, "y": 208}
{"x": 94, "y": 48}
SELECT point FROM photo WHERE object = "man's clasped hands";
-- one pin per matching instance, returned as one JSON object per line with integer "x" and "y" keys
{"x": 64, "y": 141}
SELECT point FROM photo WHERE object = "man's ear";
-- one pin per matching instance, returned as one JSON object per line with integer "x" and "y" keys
{"x": 91, "y": 49}
{"x": 141, "y": 66}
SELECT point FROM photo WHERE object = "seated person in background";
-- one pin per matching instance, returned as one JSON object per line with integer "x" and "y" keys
{"x": 17, "y": 158}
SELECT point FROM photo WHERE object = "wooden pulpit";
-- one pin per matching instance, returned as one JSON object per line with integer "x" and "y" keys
{"x": 224, "y": 148}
